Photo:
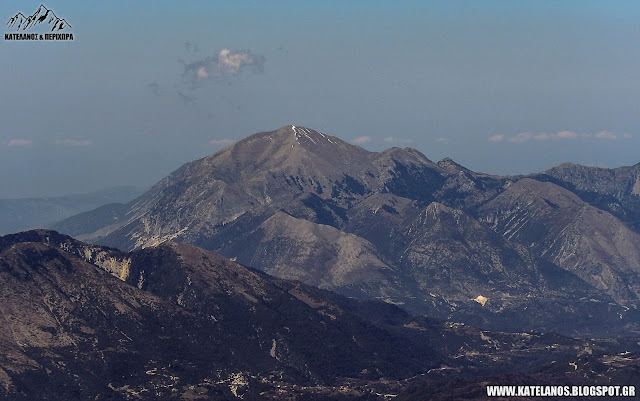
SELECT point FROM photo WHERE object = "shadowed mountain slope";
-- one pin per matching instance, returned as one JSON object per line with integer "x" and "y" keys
{"x": 174, "y": 317}
{"x": 81, "y": 321}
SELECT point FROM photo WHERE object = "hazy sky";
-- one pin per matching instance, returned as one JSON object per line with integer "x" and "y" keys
{"x": 499, "y": 86}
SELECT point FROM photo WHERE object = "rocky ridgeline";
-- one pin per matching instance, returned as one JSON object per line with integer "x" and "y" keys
{"x": 555, "y": 251}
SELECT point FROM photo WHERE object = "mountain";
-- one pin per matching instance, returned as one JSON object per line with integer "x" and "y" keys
{"x": 41, "y": 15}
{"x": 26, "y": 213}
{"x": 82, "y": 321}
{"x": 435, "y": 238}
{"x": 175, "y": 317}
{"x": 616, "y": 191}
{"x": 563, "y": 229}
{"x": 298, "y": 170}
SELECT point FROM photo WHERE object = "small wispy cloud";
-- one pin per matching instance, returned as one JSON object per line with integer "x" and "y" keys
{"x": 191, "y": 47}
{"x": 361, "y": 140}
{"x": 395, "y": 139}
{"x": 226, "y": 63}
{"x": 521, "y": 137}
{"x": 19, "y": 142}
{"x": 187, "y": 100}
{"x": 232, "y": 62}
{"x": 223, "y": 142}
{"x": 154, "y": 88}
{"x": 560, "y": 135}
{"x": 606, "y": 135}
{"x": 543, "y": 136}
{"x": 73, "y": 142}
{"x": 442, "y": 140}
{"x": 566, "y": 135}
{"x": 202, "y": 73}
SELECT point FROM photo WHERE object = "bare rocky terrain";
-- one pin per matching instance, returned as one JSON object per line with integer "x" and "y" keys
{"x": 555, "y": 251}
{"x": 614, "y": 190}
{"x": 81, "y": 321}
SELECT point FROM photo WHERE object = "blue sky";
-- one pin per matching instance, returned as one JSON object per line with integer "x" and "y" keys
{"x": 503, "y": 87}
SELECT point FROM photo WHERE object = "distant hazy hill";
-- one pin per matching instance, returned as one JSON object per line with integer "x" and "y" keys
{"x": 556, "y": 251}
{"x": 23, "y": 214}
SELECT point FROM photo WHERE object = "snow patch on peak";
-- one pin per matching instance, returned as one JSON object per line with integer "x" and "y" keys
{"x": 310, "y": 134}
{"x": 295, "y": 134}
{"x": 299, "y": 132}
{"x": 306, "y": 132}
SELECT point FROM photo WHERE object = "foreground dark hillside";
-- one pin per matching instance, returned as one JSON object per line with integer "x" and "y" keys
{"x": 557, "y": 251}
{"x": 178, "y": 316}
{"x": 607, "y": 370}
{"x": 81, "y": 321}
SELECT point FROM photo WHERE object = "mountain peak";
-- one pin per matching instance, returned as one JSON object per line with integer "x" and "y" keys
{"x": 451, "y": 166}
{"x": 293, "y": 148}
{"x": 307, "y": 136}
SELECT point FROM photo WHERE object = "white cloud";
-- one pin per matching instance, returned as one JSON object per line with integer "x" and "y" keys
{"x": 541, "y": 136}
{"x": 73, "y": 142}
{"x": 567, "y": 135}
{"x": 361, "y": 140}
{"x": 395, "y": 139}
{"x": 560, "y": 135}
{"x": 20, "y": 142}
{"x": 202, "y": 73}
{"x": 521, "y": 137}
{"x": 442, "y": 140}
{"x": 232, "y": 61}
{"x": 223, "y": 142}
{"x": 226, "y": 63}
{"x": 606, "y": 135}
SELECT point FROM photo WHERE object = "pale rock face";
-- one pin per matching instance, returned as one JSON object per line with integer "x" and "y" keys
{"x": 482, "y": 300}
{"x": 636, "y": 187}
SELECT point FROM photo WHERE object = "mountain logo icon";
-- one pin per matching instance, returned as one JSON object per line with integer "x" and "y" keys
{"x": 42, "y": 15}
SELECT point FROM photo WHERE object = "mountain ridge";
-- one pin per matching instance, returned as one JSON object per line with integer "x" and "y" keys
{"x": 304, "y": 205}
{"x": 170, "y": 320}
{"x": 178, "y": 322}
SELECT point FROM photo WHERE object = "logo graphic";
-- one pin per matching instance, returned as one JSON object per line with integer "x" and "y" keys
{"x": 43, "y": 16}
